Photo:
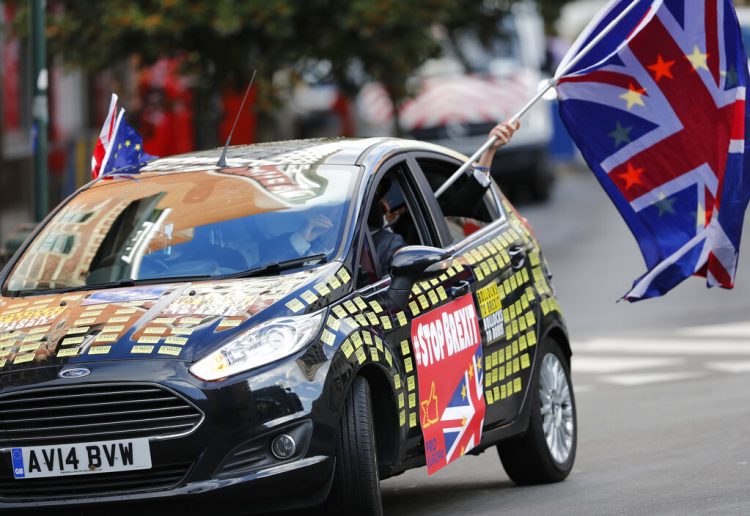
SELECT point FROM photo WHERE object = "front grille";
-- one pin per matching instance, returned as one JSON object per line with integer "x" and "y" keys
{"x": 105, "y": 484}
{"x": 94, "y": 412}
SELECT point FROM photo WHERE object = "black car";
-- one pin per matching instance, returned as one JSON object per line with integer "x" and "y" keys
{"x": 195, "y": 333}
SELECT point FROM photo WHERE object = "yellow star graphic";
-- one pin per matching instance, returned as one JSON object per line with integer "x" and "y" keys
{"x": 697, "y": 59}
{"x": 127, "y": 143}
{"x": 633, "y": 97}
{"x": 137, "y": 146}
{"x": 471, "y": 371}
{"x": 463, "y": 392}
{"x": 463, "y": 423}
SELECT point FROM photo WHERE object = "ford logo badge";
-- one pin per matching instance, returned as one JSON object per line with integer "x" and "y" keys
{"x": 78, "y": 372}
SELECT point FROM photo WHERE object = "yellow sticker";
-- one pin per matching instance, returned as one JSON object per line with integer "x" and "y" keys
{"x": 106, "y": 337}
{"x": 68, "y": 352}
{"x": 21, "y": 359}
{"x": 29, "y": 347}
{"x": 386, "y": 322}
{"x": 441, "y": 293}
{"x": 82, "y": 322}
{"x": 489, "y": 300}
{"x": 334, "y": 282}
{"x": 328, "y": 337}
{"x": 343, "y": 274}
{"x": 295, "y": 305}
{"x": 414, "y": 308}
{"x": 322, "y": 289}
{"x": 412, "y": 420}
{"x": 374, "y": 354}
{"x": 416, "y": 290}
{"x": 347, "y": 348}
{"x": 170, "y": 350}
{"x": 401, "y": 316}
{"x": 125, "y": 311}
{"x": 350, "y": 306}
{"x": 412, "y": 400}
{"x": 92, "y": 313}
{"x": 182, "y": 331}
{"x": 402, "y": 418}
{"x": 376, "y": 306}
{"x": 405, "y": 347}
{"x": 155, "y": 330}
{"x": 309, "y": 296}
{"x": 173, "y": 340}
{"x": 479, "y": 273}
{"x": 517, "y": 385}
{"x": 373, "y": 318}
{"x": 361, "y": 355}
{"x": 368, "y": 338}
{"x": 531, "y": 338}
{"x": 516, "y": 365}
{"x": 333, "y": 323}
{"x": 525, "y": 362}
{"x": 112, "y": 329}
{"x": 397, "y": 381}
{"x": 357, "y": 339}
{"x": 39, "y": 329}
{"x": 191, "y": 320}
{"x": 7, "y": 344}
{"x": 361, "y": 320}
{"x": 148, "y": 340}
{"x": 408, "y": 367}
{"x": 7, "y": 336}
{"x": 522, "y": 344}
{"x": 388, "y": 356}
{"x": 339, "y": 311}
{"x": 400, "y": 400}
{"x": 433, "y": 297}
{"x": 72, "y": 340}
{"x": 229, "y": 323}
{"x": 410, "y": 383}
{"x": 142, "y": 349}
{"x": 423, "y": 302}
{"x": 33, "y": 338}
{"x": 360, "y": 303}
{"x": 164, "y": 320}
{"x": 123, "y": 319}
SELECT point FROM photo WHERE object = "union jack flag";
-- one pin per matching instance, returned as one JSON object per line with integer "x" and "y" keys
{"x": 103, "y": 144}
{"x": 657, "y": 108}
{"x": 462, "y": 419}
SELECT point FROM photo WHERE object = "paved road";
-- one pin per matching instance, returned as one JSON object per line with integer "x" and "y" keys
{"x": 662, "y": 387}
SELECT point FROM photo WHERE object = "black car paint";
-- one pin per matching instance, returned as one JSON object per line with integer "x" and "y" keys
{"x": 308, "y": 386}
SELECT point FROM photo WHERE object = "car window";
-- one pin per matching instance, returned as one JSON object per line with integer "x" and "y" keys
{"x": 463, "y": 216}
{"x": 395, "y": 219}
{"x": 188, "y": 224}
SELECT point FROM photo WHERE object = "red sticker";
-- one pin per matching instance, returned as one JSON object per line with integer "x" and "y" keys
{"x": 448, "y": 351}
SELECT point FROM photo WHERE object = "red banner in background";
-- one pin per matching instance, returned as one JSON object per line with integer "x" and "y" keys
{"x": 448, "y": 351}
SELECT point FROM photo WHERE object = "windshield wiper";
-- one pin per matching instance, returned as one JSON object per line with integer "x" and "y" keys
{"x": 112, "y": 284}
{"x": 277, "y": 267}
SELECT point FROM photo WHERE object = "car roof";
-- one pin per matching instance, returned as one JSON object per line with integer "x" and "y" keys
{"x": 328, "y": 151}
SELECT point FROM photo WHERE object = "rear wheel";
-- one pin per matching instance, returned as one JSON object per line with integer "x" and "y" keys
{"x": 546, "y": 452}
{"x": 356, "y": 486}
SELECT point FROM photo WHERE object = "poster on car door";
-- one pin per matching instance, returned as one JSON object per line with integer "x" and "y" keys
{"x": 448, "y": 352}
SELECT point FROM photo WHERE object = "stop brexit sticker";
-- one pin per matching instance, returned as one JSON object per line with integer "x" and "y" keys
{"x": 448, "y": 352}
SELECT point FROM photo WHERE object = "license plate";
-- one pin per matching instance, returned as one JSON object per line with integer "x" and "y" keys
{"x": 81, "y": 458}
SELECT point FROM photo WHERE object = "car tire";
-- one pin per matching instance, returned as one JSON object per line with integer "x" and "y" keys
{"x": 539, "y": 457}
{"x": 356, "y": 486}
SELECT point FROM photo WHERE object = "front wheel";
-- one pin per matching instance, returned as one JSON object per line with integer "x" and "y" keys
{"x": 356, "y": 486}
{"x": 546, "y": 452}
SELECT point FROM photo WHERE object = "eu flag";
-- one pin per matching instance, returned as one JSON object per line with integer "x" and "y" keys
{"x": 126, "y": 153}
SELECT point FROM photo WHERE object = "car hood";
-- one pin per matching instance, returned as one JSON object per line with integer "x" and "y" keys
{"x": 177, "y": 321}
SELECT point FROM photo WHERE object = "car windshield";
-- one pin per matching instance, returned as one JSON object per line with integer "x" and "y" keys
{"x": 188, "y": 224}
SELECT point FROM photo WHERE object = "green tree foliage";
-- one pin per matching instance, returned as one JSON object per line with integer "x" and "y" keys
{"x": 224, "y": 40}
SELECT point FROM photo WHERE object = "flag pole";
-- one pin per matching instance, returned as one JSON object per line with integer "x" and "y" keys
{"x": 551, "y": 83}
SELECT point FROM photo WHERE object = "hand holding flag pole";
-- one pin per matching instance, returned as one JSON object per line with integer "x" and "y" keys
{"x": 551, "y": 83}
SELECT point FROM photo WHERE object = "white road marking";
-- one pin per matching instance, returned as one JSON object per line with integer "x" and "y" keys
{"x": 737, "y": 366}
{"x": 740, "y": 330}
{"x": 608, "y": 364}
{"x": 630, "y": 380}
{"x": 655, "y": 346}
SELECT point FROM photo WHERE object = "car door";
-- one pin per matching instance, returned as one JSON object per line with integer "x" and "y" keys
{"x": 494, "y": 253}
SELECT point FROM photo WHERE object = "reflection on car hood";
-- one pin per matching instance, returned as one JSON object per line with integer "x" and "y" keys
{"x": 169, "y": 321}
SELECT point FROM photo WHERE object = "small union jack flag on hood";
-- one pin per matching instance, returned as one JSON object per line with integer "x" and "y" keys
{"x": 657, "y": 108}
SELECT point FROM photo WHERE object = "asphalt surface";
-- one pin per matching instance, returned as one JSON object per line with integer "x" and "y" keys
{"x": 661, "y": 385}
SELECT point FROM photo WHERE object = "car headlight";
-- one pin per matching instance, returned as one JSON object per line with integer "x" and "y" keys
{"x": 261, "y": 345}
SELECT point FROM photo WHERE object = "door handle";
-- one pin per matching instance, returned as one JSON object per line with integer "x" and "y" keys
{"x": 459, "y": 290}
{"x": 517, "y": 257}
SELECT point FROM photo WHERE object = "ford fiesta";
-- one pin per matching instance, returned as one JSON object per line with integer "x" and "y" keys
{"x": 195, "y": 332}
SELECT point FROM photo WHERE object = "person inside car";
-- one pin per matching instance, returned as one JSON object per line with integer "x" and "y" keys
{"x": 382, "y": 217}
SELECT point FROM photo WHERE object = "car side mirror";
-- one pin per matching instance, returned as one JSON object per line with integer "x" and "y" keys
{"x": 413, "y": 263}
